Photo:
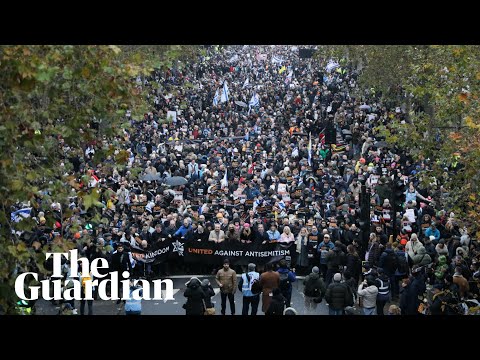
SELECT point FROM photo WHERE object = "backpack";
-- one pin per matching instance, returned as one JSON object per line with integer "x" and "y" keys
{"x": 402, "y": 264}
{"x": 256, "y": 287}
{"x": 311, "y": 289}
{"x": 284, "y": 282}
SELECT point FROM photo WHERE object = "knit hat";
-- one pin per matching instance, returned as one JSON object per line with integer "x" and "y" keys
{"x": 315, "y": 270}
{"x": 290, "y": 311}
{"x": 337, "y": 277}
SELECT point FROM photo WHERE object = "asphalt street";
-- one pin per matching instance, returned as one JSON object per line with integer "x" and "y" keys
{"x": 174, "y": 307}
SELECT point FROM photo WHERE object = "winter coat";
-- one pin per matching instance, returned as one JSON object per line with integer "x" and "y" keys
{"x": 312, "y": 282}
{"x": 422, "y": 258}
{"x": 277, "y": 304}
{"x": 269, "y": 280}
{"x": 209, "y": 292}
{"x": 336, "y": 295}
{"x": 195, "y": 299}
{"x": 369, "y": 295}
{"x": 228, "y": 279}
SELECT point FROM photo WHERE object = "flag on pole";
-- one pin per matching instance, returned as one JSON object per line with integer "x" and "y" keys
{"x": 310, "y": 151}
{"x": 18, "y": 215}
{"x": 225, "y": 93}
{"x": 254, "y": 101}
{"x": 224, "y": 182}
{"x": 216, "y": 98}
{"x": 245, "y": 84}
{"x": 289, "y": 77}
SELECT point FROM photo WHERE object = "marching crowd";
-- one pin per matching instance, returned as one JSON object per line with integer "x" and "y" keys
{"x": 248, "y": 128}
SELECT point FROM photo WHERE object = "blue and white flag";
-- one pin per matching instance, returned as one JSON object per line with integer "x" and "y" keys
{"x": 277, "y": 59}
{"x": 225, "y": 93}
{"x": 216, "y": 98}
{"x": 254, "y": 101}
{"x": 21, "y": 214}
{"x": 332, "y": 65}
{"x": 289, "y": 77}
{"x": 246, "y": 84}
{"x": 310, "y": 151}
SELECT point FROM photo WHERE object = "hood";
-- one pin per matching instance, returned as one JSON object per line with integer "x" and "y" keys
{"x": 193, "y": 283}
{"x": 314, "y": 276}
{"x": 422, "y": 251}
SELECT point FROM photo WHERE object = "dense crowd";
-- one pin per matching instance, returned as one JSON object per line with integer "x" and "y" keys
{"x": 259, "y": 170}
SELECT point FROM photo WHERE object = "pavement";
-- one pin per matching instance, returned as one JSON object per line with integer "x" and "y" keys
{"x": 174, "y": 307}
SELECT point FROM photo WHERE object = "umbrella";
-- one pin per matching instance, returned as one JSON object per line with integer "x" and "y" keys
{"x": 150, "y": 177}
{"x": 381, "y": 144}
{"x": 175, "y": 181}
{"x": 241, "y": 103}
{"x": 365, "y": 107}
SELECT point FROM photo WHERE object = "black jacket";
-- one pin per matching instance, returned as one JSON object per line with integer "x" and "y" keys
{"x": 209, "y": 292}
{"x": 121, "y": 262}
{"x": 277, "y": 305}
{"x": 336, "y": 296}
{"x": 195, "y": 299}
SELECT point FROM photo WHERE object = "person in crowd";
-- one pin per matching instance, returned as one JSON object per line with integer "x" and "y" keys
{"x": 337, "y": 296}
{"x": 250, "y": 298}
{"x": 195, "y": 304}
{"x": 253, "y": 165}
{"x": 287, "y": 277}
{"x": 226, "y": 279}
{"x": 314, "y": 290}
{"x": 269, "y": 281}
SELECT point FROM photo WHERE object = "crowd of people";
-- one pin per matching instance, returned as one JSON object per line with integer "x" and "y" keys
{"x": 247, "y": 127}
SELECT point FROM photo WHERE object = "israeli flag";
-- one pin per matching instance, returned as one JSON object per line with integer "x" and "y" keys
{"x": 332, "y": 65}
{"x": 254, "y": 101}
{"x": 225, "y": 93}
{"x": 21, "y": 214}
{"x": 277, "y": 59}
{"x": 289, "y": 77}
{"x": 216, "y": 98}
{"x": 246, "y": 84}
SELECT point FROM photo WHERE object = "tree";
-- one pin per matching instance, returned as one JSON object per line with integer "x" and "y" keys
{"x": 52, "y": 97}
{"x": 439, "y": 88}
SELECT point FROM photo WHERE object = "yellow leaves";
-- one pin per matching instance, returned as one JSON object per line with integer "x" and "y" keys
{"x": 73, "y": 183}
{"x": 132, "y": 70}
{"x": 477, "y": 76}
{"x": 17, "y": 184}
{"x": 469, "y": 122}
{"x": 26, "y": 52}
{"x": 457, "y": 51}
{"x": 86, "y": 72}
{"x": 31, "y": 176}
{"x": 115, "y": 49}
